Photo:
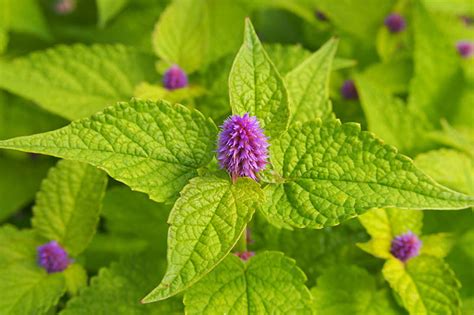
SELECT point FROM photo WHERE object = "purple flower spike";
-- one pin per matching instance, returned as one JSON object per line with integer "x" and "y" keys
{"x": 243, "y": 147}
{"x": 405, "y": 246}
{"x": 465, "y": 48}
{"x": 349, "y": 91}
{"x": 395, "y": 23}
{"x": 52, "y": 257}
{"x": 64, "y": 7}
{"x": 175, "y": 78}
{"x": 245, "y": 255}
{"x": 467, "y": 20}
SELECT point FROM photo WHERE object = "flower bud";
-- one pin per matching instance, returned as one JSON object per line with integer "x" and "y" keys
{"x": 405, "y": 246}
{"x": 395, "y": 23}
{"x": 52, "y": 257}
{"x": 175, "y": 78}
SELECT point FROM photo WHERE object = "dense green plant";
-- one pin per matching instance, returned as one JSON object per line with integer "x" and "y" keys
{"x": 244, "y": 218}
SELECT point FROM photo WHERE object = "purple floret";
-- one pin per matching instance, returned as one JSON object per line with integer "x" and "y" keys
{"x": 64, "y": 7}
{"x": 405, "y": 246}
{"x": 175, "y": 78}
{"x": 245, "y": 255}
{"x": 395, "y": 23}
{"x": 242, "y": 147}
{"x": 52, "y": 257}
{"x": 349, "y": 91}
{"x": 465, "y": 48}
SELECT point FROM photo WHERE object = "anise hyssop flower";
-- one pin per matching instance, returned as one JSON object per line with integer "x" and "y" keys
{"x": 52, "y": 257}
{"x": 243, "y": 147}
{"x": 405, "y": 246}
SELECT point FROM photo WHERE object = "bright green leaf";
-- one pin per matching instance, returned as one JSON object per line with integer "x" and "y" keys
{"x": 385, "y": 224}
{"x": 68, "y": 205}
{"x": 152, "y": 147}
{"x": 76, "y": 278}
{"x": 206, "y": 222}
{"x": 389, "y": 118}
{"x": 438, "y": 75}
{"x": 256, "y": 87}
{"x": 107, "y": 9}
{"x": 193, "y": 34}
{"x": 133, "y": 217}
{"x": 331, "y": 172}
{"x": 425, "y": 284}
{"x": 26, "y": 288}
{"x": 460, "y": 138}
{"x": 78, "y": 81}
{"x": 286, "y": 57}
{"x": 308, "y": 85}
{"x": 118, "y": 289}
{"x": 449, "y": 167}
{"x": 269, "y": 283}
{"x": 351, "y": 290}
{"x": 438, "y": 245}
{"x": 24, "y": 17}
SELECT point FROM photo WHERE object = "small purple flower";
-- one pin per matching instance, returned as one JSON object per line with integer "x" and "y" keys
{"x": 349, "y": 91}
{"x": 465, "y": 48}
{"x": 321, "y": 16}
{"x": 395, "y": 23}
{"x": 175, "y": 78}
{"x": 52, "y": 257}
{"x": 243, "y": 147}
{"x": 64, "y": 7}
{"x": 467, "y": 20}
{"x": 245, "y": 255}
{"x": 405, "y": 246}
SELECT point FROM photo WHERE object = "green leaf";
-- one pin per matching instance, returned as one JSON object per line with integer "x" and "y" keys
{"x": 330, "y": 172}
{"x": 308, "y": 85}
{"x": 269, "y": 283}
{"x": 334, "y": 245}
{"x": 385, "y": 224}
{"x": 107, "y": 9}
{"x": 256, "y": 87}
{"x": 437, "y": 245}
{"x": 193, "y": 34}
{"x": 206, "y": 222}
{"x": 460, "y": 138}
{"x": 117, "y": 290}
{"x": 438, "y": 75}
{"x": 77, "y": 81}
{"x": 19, "y": 117}
{"x": 286, "y": 57}
{"x": 23, "y": 17}
{"x": 134, "y": 217}
{"x": 26, "y": 288}
{"x": 389, "y": 118}
{"x": 19, "y": 181}
{"x": 361, "y": 18}
{"x": 425, "y": 284}
{"x": 68, "y": 205}
{"x": 76, "y": 278}
{"x": 395, "y": 75}
{"x": 153, "y": 147}
{"x": 351, "y": 290}
{"x": 449, "y": 167}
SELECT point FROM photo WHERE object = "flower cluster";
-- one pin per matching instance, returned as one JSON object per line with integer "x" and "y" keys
{"x": 245, "y": 256}
{"x": 405, "y": 246}
{"x": 52, "y": 257}
{"x": 349, "y": 91}
{"x": 243, "y": 147}
{"x": 395, "y": 23}
{"x": 175, "y": 78}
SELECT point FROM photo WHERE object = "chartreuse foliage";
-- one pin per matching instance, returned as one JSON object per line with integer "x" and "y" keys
{"x": 269, "y": 283}
{"x": 322, "y": 172}
{"x": 346, "y": 289}
{"x": 68, "y": 205}
{"x": 206, "y": 222}
{"x": 425, "y": 283}
{"x": 193, "y": 34}
{"x": 153, "y": 147}
{"x": 70, "y": 218}
{"x": 77, "y": 81}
